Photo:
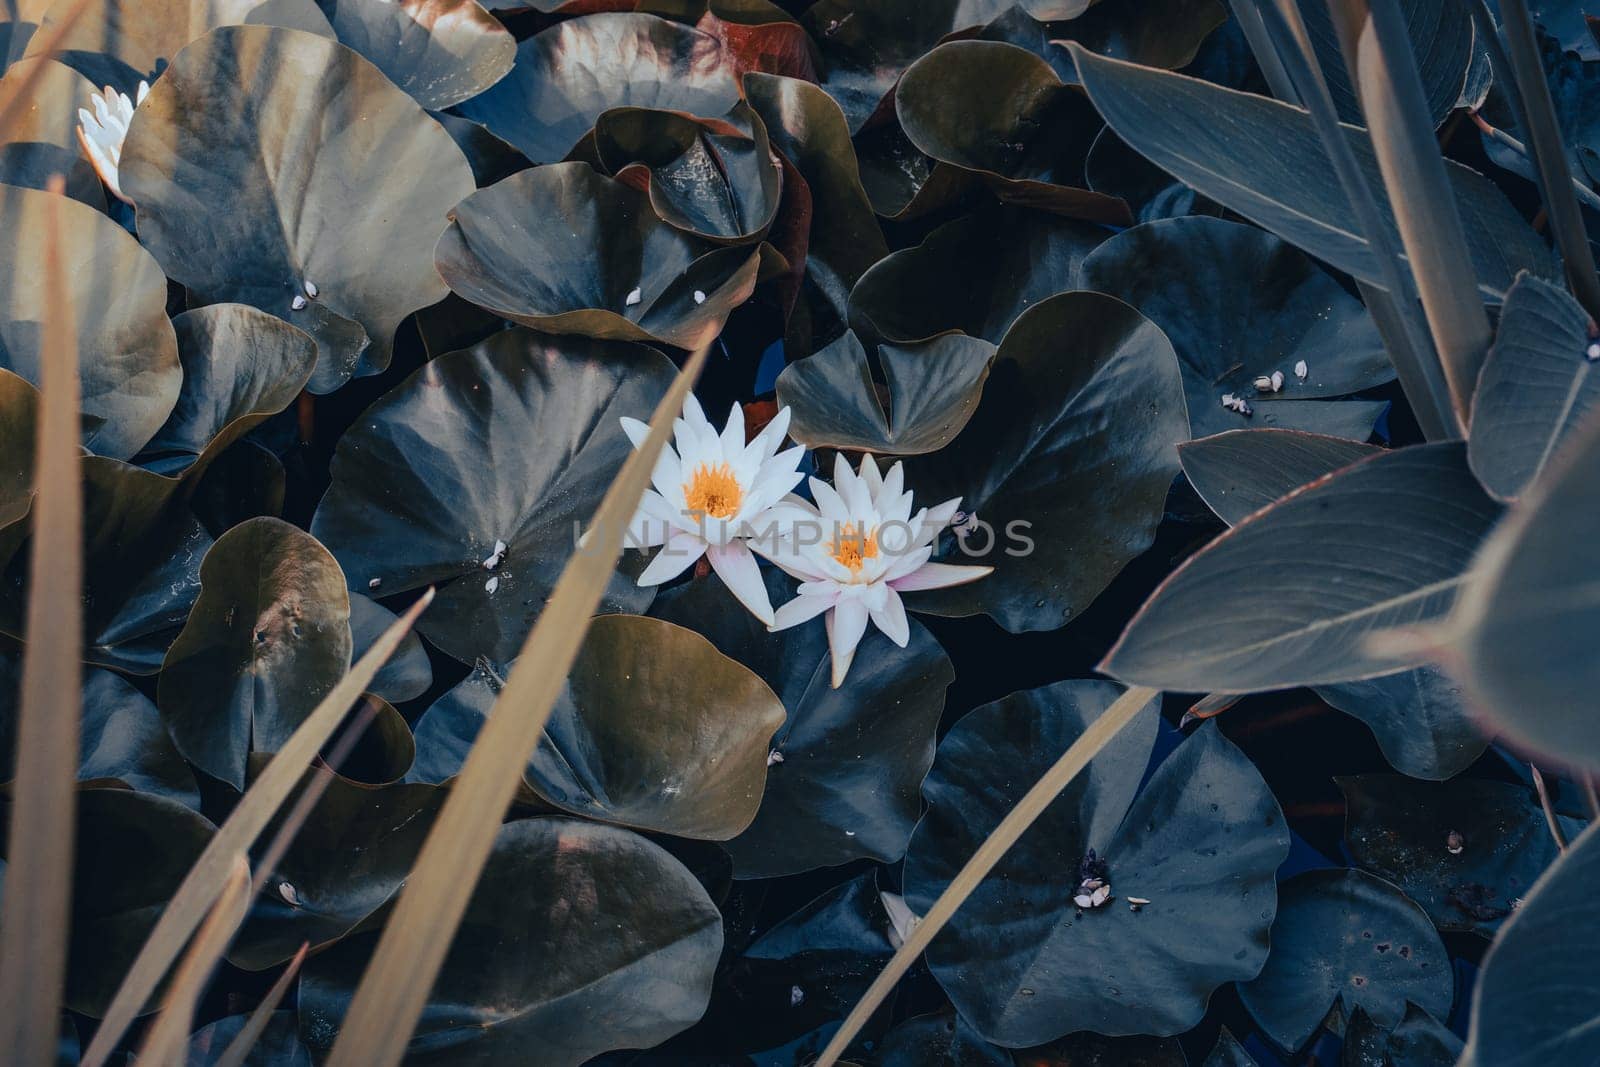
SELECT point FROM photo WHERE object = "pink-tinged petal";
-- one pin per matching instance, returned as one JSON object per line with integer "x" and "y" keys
{"x": 790, "y": 519}
{"x": 677, "y": 555}
{"x": 800, "y": 609}
{"x": 941, "y": 514}
{"x": 741, "y": 573}
{"x": 787, "y": 559}
{"x": 891, "y": 618}
{"x": 846, "y": 625}
{"x": 733, "y": 432}
{"x": 938, "y": 576}
{"x": 907, "y": 562}
{"x": 830, "y": 504}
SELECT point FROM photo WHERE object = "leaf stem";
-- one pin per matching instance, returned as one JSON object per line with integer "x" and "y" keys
{"x": 1550, "y": 819}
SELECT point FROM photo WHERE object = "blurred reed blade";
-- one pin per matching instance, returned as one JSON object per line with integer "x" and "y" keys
{"x": 1549, "y": 153}
{"x": 398, "y": 978}
{"x": 1378, "y": 53}
{"x": 1029, "y": 808}
{"x": 239, "y": 1048}
{"x": 1271, "y": 60}
{"x": 255, "y": 810}
{"x": 167, "y": 1042}
{"x": 20, "y": 98}
{"x": 1393, "y": 308}
{"x": 38, "y": 892}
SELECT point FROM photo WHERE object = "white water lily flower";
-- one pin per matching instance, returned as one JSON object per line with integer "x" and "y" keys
{"x": 712, "y": 493}
{"x": 871, "y": 549}
{"x": 103, "y": 132}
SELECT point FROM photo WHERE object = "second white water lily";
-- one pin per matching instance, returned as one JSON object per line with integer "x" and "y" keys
{"x": 103, "y": 132}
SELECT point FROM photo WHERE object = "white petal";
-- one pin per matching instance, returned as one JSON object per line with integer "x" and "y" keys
{"x": 894, "y": 484}
{"x": 742, "y": 575}
{"x": 871, "y": 477}
{"x": 906, "y": 562}
{"x": 800, "y": 609}
{"x": 855, "y": 492}
{"x": 733, "y": 432}
{"x": 651, "y": 523}
{"x": 829, "y": 505}
{"x": 891, "y": 617}
{"x": 846, "y": 624}
{"x": 941, "y": 514}
{"x": 636, "y": 430}
{"x": 677, "y": 555}
{"x": 937, "y": 576}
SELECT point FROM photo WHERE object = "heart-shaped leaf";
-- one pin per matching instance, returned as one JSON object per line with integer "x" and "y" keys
{"x": 1263, "y": 159}
{"x": 933, "y": 389}
{"x": 1538, "y": 382}
{"x": 43, "y": 140}
{"x": 1240, "y": 305}
{"x": 564, "y": 249}
{"x": 1418, "y": 1040}
{"x": 579, "y": 938}
{"x": 1157, "y": 33}
{"x": 333, "y": 212}
{"x": 1419, "y": 717}
{"x": 1465, "y": 850}
{"x": 408, "y": 674}
{"x": 442, "y": 52}
{"x": 1345, "y": 940}
{"x": 1117, "y": 170}
{"x": 846, "y": 765}
{"x": 1199, "y": 845}
{"x": 437, "y": 475}
{"x": 1383, "y": 543}
{"x": 268, "y": 638}
{"x": 1068, "y": 459}
{"x": 571, "y": 73}
{"x": 118, "y": 296}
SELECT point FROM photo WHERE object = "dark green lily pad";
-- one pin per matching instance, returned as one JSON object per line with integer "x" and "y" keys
{"x": 1228, "y": 1053}
{"x": 1088, "y": 1049}
{"x": 43, "y": 141}
{"x": 408, "y": 674}
{"x": 19, "y": 20}
{"x": 656, "y": 730}
{"x": 346, "y": 862}
{"x": 278, "y": 1046}
{"x": 1151, "y": 193}
{"x": 439, "y": 471}
{"x": 1156, "y": 33}
{"x": 933, "y": 389}
{"x": 1344, "y": 939}
{"x": 1537, "y": 384}
{"x": 564, "y": 249}
{"x": 1534, "y": 1000}
{"x": 142, "y": 551}
{"x": 127, "y": 350}
{"x": 902, "y": 183}
{"x": 1002, "y": 113}
{"x": 349, "y": 200}
{"x": 1382, "y": 543}
{"x": 1441, "y": 39}
{"x": 1200, "y": 842}
{"x": 1262, "y": 159}
{"x": 843, "y": 783}
{"x": 440, "y": 51}
{"x": 268, "y": 638}
{"x": 579, "y": 938}
{"x": 243, "y": 482}
{"x": 1075, "y": 444}
{"x": 1239, "y": 472}
{"x": 571, "y": 73}
{"x": 121, "y": 737}
{"x": 1400, "y": 829}
{"x": 1239, "y": 304}
{"x": 19, "y": 407}
{"x": 705, "y": 178}
{"x": 976, "y": 275}
{"x": 927, "y": 1040}
{"x": 130, "y": 851}
{"x": 240, "y": 367}
{"x": 122, "y": 42}
{"x": 1418, "y": 1040}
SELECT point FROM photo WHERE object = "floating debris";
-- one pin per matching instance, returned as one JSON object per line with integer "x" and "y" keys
{"x": 1593, "y": 351}
{"x": 298, "y": 303}
{"x": 311, "y": 289}
{"x": 374, "y": 583}
{"x": 1301, "y": 370}
{"x": 902, "y": 920}
{"x": 633, "y": 297}
{"x": 493, "y": 559}
{"x": 290, "y": 895}
{"x": 699, "y": 296}
{"x": 1270, "y": 383}
{"x": 1236, "y": 403}
{"x": 1454, "y": 843}
{"x": 492, "y": 585}
{"x": 797, "y": 996}
{"x": 774, "y": 757}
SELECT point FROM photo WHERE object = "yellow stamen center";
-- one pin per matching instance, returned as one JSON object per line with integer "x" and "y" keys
{"x": 852, "y": 547}
{"x": 713, "y": 491}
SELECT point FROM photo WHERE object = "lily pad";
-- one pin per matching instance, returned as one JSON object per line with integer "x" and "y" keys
{"x": 1151, "y": 193}
{"x": 933, "y": 389}
{"x": 846, "y": 765}
{"x": 1537, "y": 384}
{"x": 1200, "y": 842}
{"x": 903, "y": 183}
{"x": 438, "y": 472}
{"x": 278, "y": 1046}
{"x": 240, "y": 367}
{"x": 1238, "y": 304}
{"x": 118, "y": 295}
{"x": 123, "y": 42}
{"x": 579, "y": 938}
{"x": 656, "y": 730}
{"x": 715, "y": 180}
{"x": 1002, "y": 113}
{"x": 19, "y": 408}
{"x": 19, "y": 20}
{"x": 408, "y": 674}
{"x": 1072, "y": 449}
{"x": 564, "y": 249}
{"x": 268, "y": 638}
{"x": 1400, "y": 829}
{"x": 976, "y": 275}
{"x": 43, "y": 140}
{"x": 335, "y": 209}
{"x": 440, "y": 51}
{"x": 568, "y": 75}
{"x": 1156, "y": 33}
{"x": 1383, "y": 543}
{"x": 946, "y": 1039}
{"x": 1418, "y": 1040}
{"x": 1342, "y": 940}
{"x": 1239, "y": 472}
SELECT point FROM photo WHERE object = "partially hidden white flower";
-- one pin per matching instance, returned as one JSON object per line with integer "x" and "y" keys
{"x": 870, "y": 549}
{"x": 103, "y": 132}
{"x": 713, "y": 492}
